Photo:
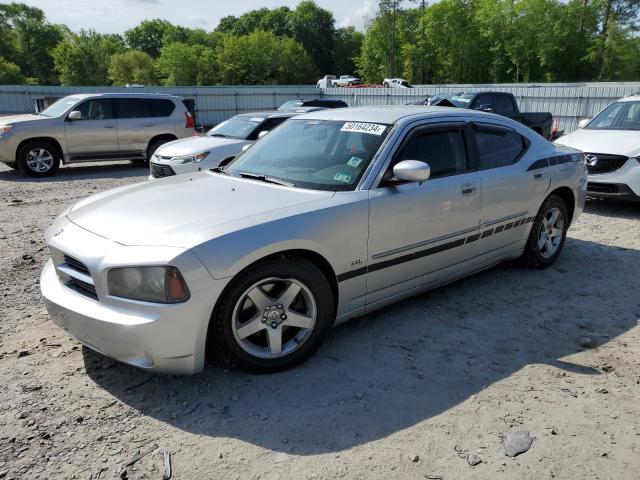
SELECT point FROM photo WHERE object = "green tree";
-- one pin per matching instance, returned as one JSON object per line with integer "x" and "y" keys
{"x": 10, "y": 73}
{"x": 132, "y": 67}
{"x": 151, "y": 35}
{"x": 31, "y": 39}
{"x": 83, "y": 58}
{"x": 263, "y": 58}
{"x": 178, "y": 64}
{"x": 347, "y": 45}
{"x": 313, "y": 27}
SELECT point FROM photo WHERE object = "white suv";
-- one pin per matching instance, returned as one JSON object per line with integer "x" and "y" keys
{"x": 611, "y": 145}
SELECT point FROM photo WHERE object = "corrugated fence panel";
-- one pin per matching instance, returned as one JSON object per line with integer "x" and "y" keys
{"x": 568, "y": 102}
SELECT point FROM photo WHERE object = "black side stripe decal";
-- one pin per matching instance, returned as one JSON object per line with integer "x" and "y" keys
{"x": 430, "y": 251}
{"x": 555, "y": 160}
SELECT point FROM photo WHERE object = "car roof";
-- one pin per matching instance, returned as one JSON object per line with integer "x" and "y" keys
{"x": 633, "y": 98}
{"x": 82, "y": 96}
{"x": 266, "y": 114}
{"x": 387, "y": 114}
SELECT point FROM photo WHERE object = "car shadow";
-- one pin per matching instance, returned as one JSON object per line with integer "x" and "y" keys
{"x": 612, "y": 208}
{"x": 83, "y": 171}
{"x": 402, "y": 365}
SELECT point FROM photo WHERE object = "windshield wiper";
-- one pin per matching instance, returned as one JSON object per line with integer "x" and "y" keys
{"x": 264, "y": 178}
{"x": 218, "y": 135}
{"x": 221, "y": 170}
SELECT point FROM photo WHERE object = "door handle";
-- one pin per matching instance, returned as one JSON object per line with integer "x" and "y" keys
{"x": 468, "y": 188}
{"x": 538, "y": 176}
{"x": 109, "y": 126}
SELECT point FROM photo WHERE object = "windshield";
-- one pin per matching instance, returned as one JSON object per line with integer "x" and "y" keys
{"x": 239, "y": 128}
{"x": 315, "y": 154}
{"x": 289, "y": 105}
{"x": 617, "y": 116}
{"x": 60, "y": 107}
{"x": 460, "y": 100}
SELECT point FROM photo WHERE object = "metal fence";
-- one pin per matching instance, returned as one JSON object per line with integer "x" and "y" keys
{"x": 569, "y": 103}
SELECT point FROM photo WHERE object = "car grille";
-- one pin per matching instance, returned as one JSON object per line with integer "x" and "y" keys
{"x": 76, "y": 265}
{"x": 604, "y": 163}
{"x": 159, "y": 171}
{"x": 76, "y": 276}
{"x": 602, "y": 188}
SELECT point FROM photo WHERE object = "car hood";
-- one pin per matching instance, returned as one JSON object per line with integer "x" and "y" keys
{"x": 615, "y": 142}
{"x": 184, "y": 210}
{"x": 192, "y": 145}
{"x": 13, "y": 119}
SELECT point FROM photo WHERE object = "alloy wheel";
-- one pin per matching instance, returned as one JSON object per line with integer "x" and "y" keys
{"x": 551, "y": 232}
{"x": 39, "y": 160}
{"x": 274, "y": 317}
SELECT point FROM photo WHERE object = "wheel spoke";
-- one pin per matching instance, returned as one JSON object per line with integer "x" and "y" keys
{"x": 549, "y": 246}
{"x": 274, "y": 335}
{"x": 541, "y": 240}
{"x": 555, "y": 213}
{"x": 289, "y": 295}
{"x": 259, "y": 298}
{"x": 295, "y": 319}
{"x": 252, "y": 326}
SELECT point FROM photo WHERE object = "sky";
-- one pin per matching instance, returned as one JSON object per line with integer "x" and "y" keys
{"x": 116, "y": 16}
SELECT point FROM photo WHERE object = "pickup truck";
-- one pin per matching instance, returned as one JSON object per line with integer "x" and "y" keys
{"x": 347, "y": 81}
{"x": 500, "y": 103}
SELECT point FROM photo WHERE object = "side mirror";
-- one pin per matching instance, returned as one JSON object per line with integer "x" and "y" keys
{"x": 412, "y": 171}
{"x": 75, "y": 115}
{"x": 485, "y": 107}
{"x": 246, "y": 147}
{"x": 583, "y": 123}
{"x": 262, "y": 133}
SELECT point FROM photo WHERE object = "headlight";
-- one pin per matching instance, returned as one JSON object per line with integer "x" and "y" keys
{"x": 5, "y": 128}
{"x": 148, "y": 284}
{"x": 198, "y": 157}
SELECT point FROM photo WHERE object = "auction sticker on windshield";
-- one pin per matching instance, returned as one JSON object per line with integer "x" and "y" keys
{"x": 370, "y": 128}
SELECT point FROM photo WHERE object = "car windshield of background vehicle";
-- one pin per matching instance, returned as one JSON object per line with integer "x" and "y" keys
{"x": 617, "y": 116}
{"x": 290, "y": 104}
{"x": 314, "y": 154}
{"x": 238, "y": 128}
{"x": 60, "y": 107}
{"x": 460, "y": 100}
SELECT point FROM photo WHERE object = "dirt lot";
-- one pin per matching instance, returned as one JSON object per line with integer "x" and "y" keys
{"x": 421, "y": 389}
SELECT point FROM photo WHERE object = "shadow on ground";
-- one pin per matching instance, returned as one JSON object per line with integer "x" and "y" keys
{"x": 613, "y": 208}
{"x": 402, "y": 365}
{"x": 83, "y": 171}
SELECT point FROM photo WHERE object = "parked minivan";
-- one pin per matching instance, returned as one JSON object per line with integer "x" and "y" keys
{"x": 93, "y": 127}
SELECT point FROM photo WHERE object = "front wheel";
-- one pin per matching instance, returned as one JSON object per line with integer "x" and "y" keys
{"x": 38, "y": 159}
{"x": 548, "y": 234}
{"x": 273, "y": 316}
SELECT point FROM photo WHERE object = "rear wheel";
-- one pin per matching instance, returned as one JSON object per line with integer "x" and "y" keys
{"x": 548, "y": 233}
{"x": 155, "y": 145}
{"x": 273, "y": 316}
{"x": 38, "y": 159}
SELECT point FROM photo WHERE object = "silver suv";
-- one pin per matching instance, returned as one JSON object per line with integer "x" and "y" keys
{"x": 92, "y": 127}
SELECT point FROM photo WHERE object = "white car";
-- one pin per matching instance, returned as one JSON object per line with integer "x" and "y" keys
{"x": 347, "y": 81}
{"x": 219, "y": 146}
{"x": 395, "y": 83}
{"x": 611, "y": 145}
{"x": 326, "y": 82}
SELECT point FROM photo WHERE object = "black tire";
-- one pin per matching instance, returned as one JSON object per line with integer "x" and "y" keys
{"x": 222, "y": 340}
{"x": 533, "y": 256}
{"x": 385, "y": 85}
{"x": 42, "y": 146}
{"x": 153, "y": 146}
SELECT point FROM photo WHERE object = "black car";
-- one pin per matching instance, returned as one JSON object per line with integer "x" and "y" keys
{"x": 314, "y": 102}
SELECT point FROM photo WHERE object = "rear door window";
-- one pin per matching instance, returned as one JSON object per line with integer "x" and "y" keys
{"x": 498, "y": 147}
{"x": 134, "y": 108}
{"x": 162, "y": 108}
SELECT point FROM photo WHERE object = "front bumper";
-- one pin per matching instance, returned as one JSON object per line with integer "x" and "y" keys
{"x": 623, "y": 183}
{"x": 8, "y": 147}
{"x": 161, "y": 170}
{"x": 159, "y": 337}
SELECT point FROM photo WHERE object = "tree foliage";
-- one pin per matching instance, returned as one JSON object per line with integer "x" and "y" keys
{"x": 130, "y": 67}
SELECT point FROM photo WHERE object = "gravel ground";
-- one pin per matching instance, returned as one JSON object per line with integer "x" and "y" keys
{"x": 428, "y": 388}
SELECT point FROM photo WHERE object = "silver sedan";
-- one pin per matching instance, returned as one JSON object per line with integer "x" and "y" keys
{"x": 332, "y": 215}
